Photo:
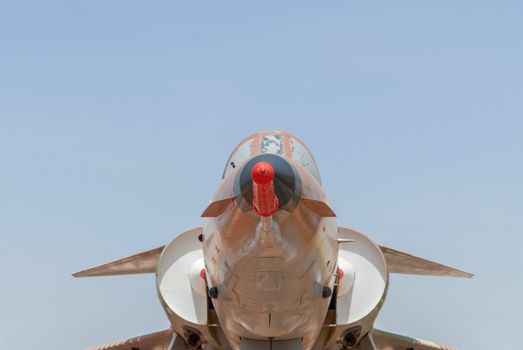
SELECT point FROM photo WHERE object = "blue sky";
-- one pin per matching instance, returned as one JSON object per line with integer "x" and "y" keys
{"x": 116, "y": 119}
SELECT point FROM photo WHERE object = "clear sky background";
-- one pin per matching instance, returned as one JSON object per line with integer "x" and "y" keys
{"x": 117, "y": 117}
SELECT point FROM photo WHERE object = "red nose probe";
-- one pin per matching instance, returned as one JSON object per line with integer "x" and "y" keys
{"x": 264, "y": 199}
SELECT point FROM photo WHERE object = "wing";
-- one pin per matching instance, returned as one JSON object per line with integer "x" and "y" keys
{"x": 153, "y": 341}
{"x": 391, "y": 341}
{"x": 400, "y": 262}
{"x": 144, "y": 262}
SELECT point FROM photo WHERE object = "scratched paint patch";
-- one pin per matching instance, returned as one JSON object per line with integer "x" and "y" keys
{"x": 240, "y": 155}
{"x": 272, "y": 144}
{"x": 302, "y": 155}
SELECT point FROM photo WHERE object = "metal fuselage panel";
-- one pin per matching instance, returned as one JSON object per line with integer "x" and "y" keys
{"x": 270, "y": 273}
{"x": 271, "y": 290}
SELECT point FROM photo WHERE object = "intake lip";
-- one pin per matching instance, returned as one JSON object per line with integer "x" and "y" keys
{"x": 287, "y": 183}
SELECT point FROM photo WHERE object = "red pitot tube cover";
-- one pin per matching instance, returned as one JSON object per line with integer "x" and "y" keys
{"x": 264, "y": 200}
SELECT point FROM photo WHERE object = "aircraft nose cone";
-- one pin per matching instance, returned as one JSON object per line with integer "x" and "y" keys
{"x": 263, "y": 169}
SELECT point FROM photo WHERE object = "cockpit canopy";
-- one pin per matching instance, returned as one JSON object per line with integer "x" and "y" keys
{"x": 273, "y": 142}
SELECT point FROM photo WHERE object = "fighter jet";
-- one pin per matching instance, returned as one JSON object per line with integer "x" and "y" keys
{"x": 270, "y": 268}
